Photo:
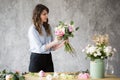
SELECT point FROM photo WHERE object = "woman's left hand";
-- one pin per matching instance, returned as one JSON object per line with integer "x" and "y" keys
{"x": 61, "y": 44}
{"x": 67, "y": 40}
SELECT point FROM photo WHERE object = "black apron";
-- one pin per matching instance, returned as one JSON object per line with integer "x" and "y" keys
{"x": 40, "y": 62}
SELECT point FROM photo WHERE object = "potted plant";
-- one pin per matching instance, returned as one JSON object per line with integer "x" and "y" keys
{"x": 97, "y": 53}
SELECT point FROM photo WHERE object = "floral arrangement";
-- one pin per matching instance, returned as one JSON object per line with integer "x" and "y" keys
{"x": 57, "y": 76}
{"x": 101, "y": 49}
{"x": 63, "y": 31}
{"x": 4, "y": 75}
{"x": 54, "y": 76}
{"x": 63, "y": 76}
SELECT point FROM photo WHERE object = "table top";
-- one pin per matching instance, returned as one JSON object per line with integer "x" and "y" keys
{"x": 35, "y": 76}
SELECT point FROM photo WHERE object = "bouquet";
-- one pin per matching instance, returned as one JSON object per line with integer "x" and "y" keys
{"x": 101, "y": 49}
{"x": 63, "y": 31}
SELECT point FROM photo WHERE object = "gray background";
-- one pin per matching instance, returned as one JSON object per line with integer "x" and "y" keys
{"x": 93, "y": 16}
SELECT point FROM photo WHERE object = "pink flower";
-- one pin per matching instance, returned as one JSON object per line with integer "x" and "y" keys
{"x": 83, "y": 76}
{"x": 59, "y": 33}
{"x": 70, "y": 28}
{"x": 41, "y": 73}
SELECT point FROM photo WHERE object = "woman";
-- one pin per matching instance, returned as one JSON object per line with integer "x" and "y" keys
{"x": 41, "y": 41}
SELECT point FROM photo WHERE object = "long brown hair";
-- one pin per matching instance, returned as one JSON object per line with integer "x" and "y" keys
{"x": 37, "y": 20}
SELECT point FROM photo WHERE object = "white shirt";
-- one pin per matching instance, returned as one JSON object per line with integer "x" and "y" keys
{"x": 37, "y": 42}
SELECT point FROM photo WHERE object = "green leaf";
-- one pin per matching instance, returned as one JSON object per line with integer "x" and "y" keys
{"x": 76, "y": 28}
{"x": 71, "y": 35}
{"x": 4, "y": 71}
{"x": 61, "y": 23}
{"x": 72, "y": 22}
{"x": 21, "y": 78}
{"x": 15, "y": 77}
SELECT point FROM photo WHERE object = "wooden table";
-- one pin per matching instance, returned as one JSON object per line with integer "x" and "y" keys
{"x": 36, "y": 77}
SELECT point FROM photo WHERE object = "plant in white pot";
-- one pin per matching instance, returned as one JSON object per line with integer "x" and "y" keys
{"x": 97, "y": 53}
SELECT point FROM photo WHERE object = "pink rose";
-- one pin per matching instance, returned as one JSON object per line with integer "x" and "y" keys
{"x": 70, "y": 28}
{"x": 83, "y": 76}
{"x": 59, "y": 33}
{"x": 56, "y": 32}
{"x": 41, "y": 73}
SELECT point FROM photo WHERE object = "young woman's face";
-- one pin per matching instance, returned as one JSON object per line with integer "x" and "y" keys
{"x": 44, "y": 16}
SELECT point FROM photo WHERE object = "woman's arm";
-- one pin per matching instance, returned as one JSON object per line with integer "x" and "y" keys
{"x": 51, "y": 44}
{"x": 36, "y": 44}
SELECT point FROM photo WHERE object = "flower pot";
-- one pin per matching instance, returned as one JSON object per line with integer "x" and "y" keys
{"x": 97, "y": 69}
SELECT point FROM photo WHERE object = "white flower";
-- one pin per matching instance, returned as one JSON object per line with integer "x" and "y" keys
{"x": 95, "y": 55}
{"x": 112, "y": 53}
{"x": 63, "y": 76}
{"x": 83, "y": 50}
{"x": 9, "y": 77}
{"x": 107, "y": 54}
{"x": 114, "y": 50}
{"x": 102, "y": 57}
{"x": 91, "y": 49}
{"x": 55, "y": 75}
{"x": 63, "y": 30}
{"x": 98, "y": 53}
{"x": 99, "y": 48}
{"x": 56, "y": 28}
{"x": 65, "y": 23}
{"x": 108, "y": 49}
{"x": 49, "y": 77}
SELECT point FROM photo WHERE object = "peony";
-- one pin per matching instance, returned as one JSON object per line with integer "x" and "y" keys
{"x": 83, "y": 76}
{"x": 59, "y": 33}
{"x": 41, "y": 73}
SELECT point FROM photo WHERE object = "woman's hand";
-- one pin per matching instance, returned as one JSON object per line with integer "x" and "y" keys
{"x": 67, "y": 40}
{"x": 56, "y": 41}
{"x": 60, "y": 44}
{"x": 53, "y": 43}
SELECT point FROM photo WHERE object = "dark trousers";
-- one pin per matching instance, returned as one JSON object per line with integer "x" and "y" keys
{"x": 40, "y": 62}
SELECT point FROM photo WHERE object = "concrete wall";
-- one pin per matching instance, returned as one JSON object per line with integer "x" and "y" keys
{"x": 93, "y": 16}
